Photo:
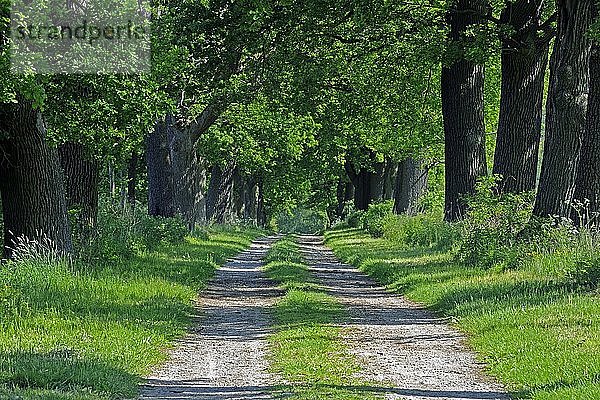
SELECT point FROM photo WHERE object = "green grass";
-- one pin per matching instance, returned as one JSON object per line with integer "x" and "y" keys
{"x": 308, "y": 351}
{"x": 73, "y": 333}
{"x": 538, "y": 333}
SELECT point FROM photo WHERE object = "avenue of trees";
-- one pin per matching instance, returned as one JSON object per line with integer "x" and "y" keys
{"x": 252, "y": 108}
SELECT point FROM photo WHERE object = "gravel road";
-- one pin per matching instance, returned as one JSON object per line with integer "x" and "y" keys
{"x": 224, "y": 355}
{"x": 409, "y": 352}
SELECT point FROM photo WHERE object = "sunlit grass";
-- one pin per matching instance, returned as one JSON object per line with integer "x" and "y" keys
{"x": 92, "y": 333}
{"x": 539, "y": 334}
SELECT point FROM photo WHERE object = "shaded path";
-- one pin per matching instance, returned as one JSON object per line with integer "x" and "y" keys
{"x": 406, "y": 349}
{"x": 223, "y": 356}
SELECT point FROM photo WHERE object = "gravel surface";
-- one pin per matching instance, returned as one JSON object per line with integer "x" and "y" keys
{"x": 224, "y": 355}
{"x": 409, "y": 352}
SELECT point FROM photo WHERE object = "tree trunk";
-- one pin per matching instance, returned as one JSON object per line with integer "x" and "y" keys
{"x": 411, "y": 184}
{"x": 132, "y": 178}
{"x": 524, "y": 60}
{"x": 251, "y": 200}
{"x": 391, "y": 168}
{"x": 463, "y": 113}
{"x": 31, "y": 181}
{"x": 587, "y": 187}
{"x": 362, "y": 190}
{"x": 239, "y": 191}
{"x": 220, "y": 193}
{"x": 566, "y": 108}
{"x": 161, "y": 196}
{"x": 377, "y": 182}
{"x": 81, "y": 178}
{"x": 261, "y": 213}
{"x": 189, "y": 177}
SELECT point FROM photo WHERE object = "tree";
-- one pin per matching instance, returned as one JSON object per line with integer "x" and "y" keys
{"x": 524, "y": 60}
{"x": 411, "y": 184}
{"x": 587, "y": 183}
{"x": 31, "y": 180}
{"x": 463, "y": 111}
{"x": 566, "y": 108}
{"x": 81, "y": 171}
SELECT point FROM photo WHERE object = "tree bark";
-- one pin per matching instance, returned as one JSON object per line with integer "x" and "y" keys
{"x": 189, "y": 177}
{"x": 524, "y": 60}
{"x": 220, "y": 193}
{"x": 81, "y": 180}
{"x": 587, "y": 184}
{"x": 161, "y": 196}
{"x": 361, "y": 181}
{"x": 463, "y": 113}
{"x": 31, "y": 181}
{"x": 411, "y": 184}
{"x": 377, "y": 182}
{"x": 566, "y": 108}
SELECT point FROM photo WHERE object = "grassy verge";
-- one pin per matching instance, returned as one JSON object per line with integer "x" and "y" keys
{"x": 308, "y": 351}
{"x": 539, "y": 335}
{"x": 68, "y": 333}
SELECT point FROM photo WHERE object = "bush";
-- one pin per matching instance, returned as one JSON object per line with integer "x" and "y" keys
{"x": 490, "y": 231}
{"x": 355, "y": 219}
{"x": 302, "y": 221}
{"x": 425, "y": 230}
{"x": 124, "y": 232}
{"x": 375, "y": 215}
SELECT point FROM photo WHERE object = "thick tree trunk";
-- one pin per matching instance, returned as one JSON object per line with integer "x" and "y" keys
{"x": 161, "y": 194}
{"x": 524, "y": 60}
{"x": 189, "y": 177}
{"x": 31, "y": 181}
{"x": 349, "y": 191}
{"x": 81, "y": 178}
{"x": 362, "y": 190}
{"x": 566, "y": 108}
{"x": 411, "y": 184}
{"x": 377, "y": 182}
{"x": 587, "y": 187}
{"x": 462, "y": 108}
{"x": 220, "y": 193}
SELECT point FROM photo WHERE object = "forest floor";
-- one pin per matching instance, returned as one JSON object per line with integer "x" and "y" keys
{"x": 403, "y": 351}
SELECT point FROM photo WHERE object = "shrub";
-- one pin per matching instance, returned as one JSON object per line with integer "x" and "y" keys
{"x": 355, "y": 219}
{"x": 123, "y": 232}
{"x": 425, "y": 230}
{"x": 490, "y": 231}
{"x": 302, "y": 221}
{"x": 375, "y": 215}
